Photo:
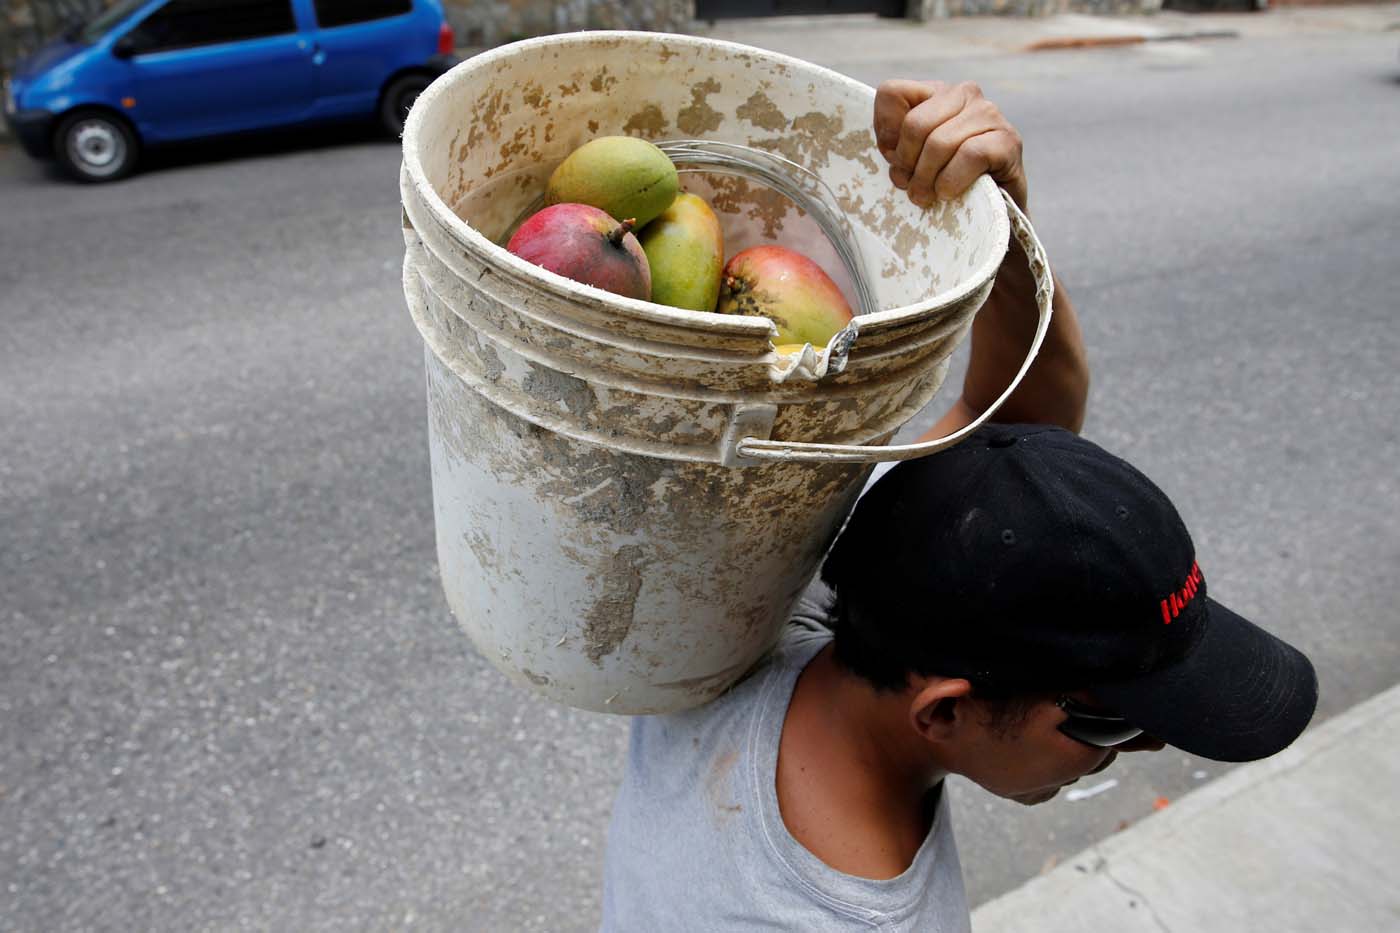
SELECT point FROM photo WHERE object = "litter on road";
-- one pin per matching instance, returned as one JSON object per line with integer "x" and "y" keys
{"x": 1085, "y": 793}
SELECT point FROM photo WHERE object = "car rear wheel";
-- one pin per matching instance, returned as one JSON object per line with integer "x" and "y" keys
{"x": 94, "y": 146}
{"x": 398, "y": 99}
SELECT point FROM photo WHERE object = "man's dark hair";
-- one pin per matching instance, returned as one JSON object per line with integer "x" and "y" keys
{"x": 884, "y": 658}
{"x": 887, "y": 651}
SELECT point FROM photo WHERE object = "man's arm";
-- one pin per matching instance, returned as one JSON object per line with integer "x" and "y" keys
{"x": 938, "y": 139}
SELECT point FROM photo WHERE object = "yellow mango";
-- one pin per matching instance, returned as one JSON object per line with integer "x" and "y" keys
{"x": 685, "y": 250}
{"x": 623, "y": 175}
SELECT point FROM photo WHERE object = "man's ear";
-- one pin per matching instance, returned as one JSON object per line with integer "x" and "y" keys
{"x": 939, "y": 707}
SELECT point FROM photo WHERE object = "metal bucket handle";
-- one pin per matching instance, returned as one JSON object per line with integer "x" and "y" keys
{"x": 752, "y": 450}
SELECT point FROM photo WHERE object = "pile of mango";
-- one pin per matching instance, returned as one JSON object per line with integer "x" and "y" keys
{"x": 616, "y": 219}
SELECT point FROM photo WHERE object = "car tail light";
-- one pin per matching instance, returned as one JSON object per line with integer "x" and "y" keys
{"x": 447, "y": 40}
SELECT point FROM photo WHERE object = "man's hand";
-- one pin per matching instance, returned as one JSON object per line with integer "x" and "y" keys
{"x": 939, "y": 138}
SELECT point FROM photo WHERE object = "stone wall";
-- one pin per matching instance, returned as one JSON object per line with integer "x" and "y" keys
{"x": 27, "y": 24}
{"x": 493, "y": 22}
{"x": 924, "y": 10}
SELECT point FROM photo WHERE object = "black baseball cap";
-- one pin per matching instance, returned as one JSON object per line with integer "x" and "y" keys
{"x": 1036, "y": 560}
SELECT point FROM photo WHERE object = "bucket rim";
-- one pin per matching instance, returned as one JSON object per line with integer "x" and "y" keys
{"x": 473, "y": 240}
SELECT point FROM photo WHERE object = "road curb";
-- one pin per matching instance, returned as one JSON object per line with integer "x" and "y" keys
{"x": 1201, "y": 34}
{"x": 1057, "y": 43}
{"x": 1059, "y": 895}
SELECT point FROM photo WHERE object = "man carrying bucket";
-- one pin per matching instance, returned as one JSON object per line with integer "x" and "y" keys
{"x": 1019, "y": 610}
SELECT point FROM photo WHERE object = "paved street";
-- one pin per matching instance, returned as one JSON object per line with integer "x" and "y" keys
{"x": 231, "y": 695}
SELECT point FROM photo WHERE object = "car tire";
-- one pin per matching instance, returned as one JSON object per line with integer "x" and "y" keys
{"x": 398, "y": 98}
{"x": 95, "y": 146}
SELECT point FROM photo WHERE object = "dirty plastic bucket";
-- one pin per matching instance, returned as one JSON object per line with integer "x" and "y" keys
{"x": 628, "y": 501}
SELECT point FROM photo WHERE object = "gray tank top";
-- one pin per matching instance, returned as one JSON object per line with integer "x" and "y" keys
{"x": 697, "y": 843}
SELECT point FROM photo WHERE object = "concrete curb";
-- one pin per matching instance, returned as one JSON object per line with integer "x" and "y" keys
{"x": 1089, "y": 42}
{"x": 1082, "y": 42}
{"x": 1094, "y": 887}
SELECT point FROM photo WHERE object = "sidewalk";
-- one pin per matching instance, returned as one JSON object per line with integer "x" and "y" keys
{"x": 857, "y": 39}
{"x": 1306, "y": 841}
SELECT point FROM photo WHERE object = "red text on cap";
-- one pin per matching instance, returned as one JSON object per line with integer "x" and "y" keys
{"x": 1173, "y": 604}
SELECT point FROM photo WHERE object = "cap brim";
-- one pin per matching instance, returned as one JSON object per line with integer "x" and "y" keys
{"x": 1240, "y": 695}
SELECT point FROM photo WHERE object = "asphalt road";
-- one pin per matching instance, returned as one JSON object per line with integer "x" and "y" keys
{"x": 231, "y": 695}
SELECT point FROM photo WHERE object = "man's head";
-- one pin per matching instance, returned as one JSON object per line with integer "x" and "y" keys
{"x": 1024, "y": 585}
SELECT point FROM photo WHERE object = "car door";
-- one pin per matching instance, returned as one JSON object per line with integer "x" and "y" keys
{"x": 362, "y": 42}
{"x": 216, "y": 66}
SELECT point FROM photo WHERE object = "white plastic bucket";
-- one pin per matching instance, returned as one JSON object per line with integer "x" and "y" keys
{"x": 627, "y": 500}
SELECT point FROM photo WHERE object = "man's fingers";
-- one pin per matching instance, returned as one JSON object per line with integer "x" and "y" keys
{"x": 996, "y": 153}
{"x": 889, "y": 114}
{"x": 900, "y": 177}
{"x": 931, "y": 162}
{"x": 893, "y": 100}
{"x": 973, "y": 158}
{"x": 939, "y": 149}
{"x": 922, "y": 121}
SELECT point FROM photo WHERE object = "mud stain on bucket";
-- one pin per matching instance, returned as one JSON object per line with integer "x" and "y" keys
{"x": 700, "y": 118}
{"x": 814, "y": 137}
{"x": 734, "y": 195}
{"x": 483, "y": 548}
{"x": 603, "y": 492}
{"x": 491, "y": 365}
{"x": 608, "y": 622}
{"x": 760, "y": 110}
{"x": 551, "y": 386}
{"x": 488, "y": 111}
{"x": 649, "y": 121}
{"x": 602, "y": 81}
{"x": 535, "y": 97}
{"x": 539, "y": 680}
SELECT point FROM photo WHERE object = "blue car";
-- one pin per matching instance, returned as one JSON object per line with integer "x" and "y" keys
{"x": 146, "y": 72}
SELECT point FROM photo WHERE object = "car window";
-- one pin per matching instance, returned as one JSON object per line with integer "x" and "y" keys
{"x": 184, "y": 23}
{"x": 341, "y": 12}
{"x": 103, "y": 23}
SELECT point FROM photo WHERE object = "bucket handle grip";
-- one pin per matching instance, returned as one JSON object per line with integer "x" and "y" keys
{"x": 756, "y": 450}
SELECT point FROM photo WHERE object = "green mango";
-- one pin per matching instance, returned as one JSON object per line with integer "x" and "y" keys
{"x": 623, "y": 175}
{"x": 685, "y": 249}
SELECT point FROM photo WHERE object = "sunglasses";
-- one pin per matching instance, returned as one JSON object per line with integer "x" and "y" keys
{"x": 1094, "y": 727}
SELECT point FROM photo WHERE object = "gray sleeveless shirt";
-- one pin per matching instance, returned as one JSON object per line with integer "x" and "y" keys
{"x": 697, "y": 842}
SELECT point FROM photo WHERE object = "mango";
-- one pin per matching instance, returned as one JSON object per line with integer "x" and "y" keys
{"x": 685, "y": 249}
{"x": 789, "y": 289}
{"x": 623, "y": 175}
{"x": 583, "y": 243}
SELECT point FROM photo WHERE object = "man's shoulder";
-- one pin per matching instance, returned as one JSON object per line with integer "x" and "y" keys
{"x": 814, "y": 612}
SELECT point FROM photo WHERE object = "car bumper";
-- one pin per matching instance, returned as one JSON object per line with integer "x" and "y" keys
{"x": 439, "y": 65}
{"x": 34, "y": 130}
